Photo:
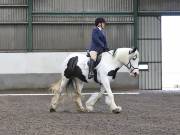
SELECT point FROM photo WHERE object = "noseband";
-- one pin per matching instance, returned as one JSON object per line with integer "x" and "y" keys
{"x": 130, "y": 66}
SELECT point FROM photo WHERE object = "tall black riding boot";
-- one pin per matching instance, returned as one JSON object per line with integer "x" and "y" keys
{"x": 91, "y": 69}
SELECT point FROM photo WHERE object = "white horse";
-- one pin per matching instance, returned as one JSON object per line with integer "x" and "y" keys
{"x": 75, "y": 70}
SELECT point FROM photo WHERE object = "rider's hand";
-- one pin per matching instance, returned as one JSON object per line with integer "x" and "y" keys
{"x": 106, "y": 49}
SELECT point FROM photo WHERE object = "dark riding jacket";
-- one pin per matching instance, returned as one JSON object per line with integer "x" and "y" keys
{"x": 98, "y": 41}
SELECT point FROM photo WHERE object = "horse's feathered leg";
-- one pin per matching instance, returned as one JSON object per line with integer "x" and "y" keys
{"x": 110, "y": 99}
{"x": 79, "y": 85}
{"x": 93, "y": 99}
{"x": 57, "y": 89}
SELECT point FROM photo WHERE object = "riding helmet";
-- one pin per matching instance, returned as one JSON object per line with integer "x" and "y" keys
{"x": 99, "y": 20}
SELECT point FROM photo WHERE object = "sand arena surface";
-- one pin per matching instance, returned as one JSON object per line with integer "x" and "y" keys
{"x": 147, "y": 114}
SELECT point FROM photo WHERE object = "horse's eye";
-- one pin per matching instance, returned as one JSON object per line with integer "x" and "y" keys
{"x": 134, "y": 58}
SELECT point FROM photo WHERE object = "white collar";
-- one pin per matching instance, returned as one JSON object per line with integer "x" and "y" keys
{"x": 100, "y": 28}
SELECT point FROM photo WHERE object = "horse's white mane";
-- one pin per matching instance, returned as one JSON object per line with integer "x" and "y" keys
{"x": 122, "y": 55}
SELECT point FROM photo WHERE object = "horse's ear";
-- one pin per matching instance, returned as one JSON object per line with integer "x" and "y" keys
{"x": 132, "y": 51}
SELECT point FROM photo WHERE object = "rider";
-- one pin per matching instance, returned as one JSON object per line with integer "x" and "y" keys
{"x": 98, "y": 43}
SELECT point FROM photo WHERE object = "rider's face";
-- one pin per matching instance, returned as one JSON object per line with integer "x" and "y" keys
{"x": 102, "y": 25}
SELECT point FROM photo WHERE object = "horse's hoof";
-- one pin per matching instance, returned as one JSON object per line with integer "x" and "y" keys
{"x": 82, "y": 110}
{"x": 89, "y": 108}
{"x": 117, "y": 110}
{"x": 52, "y": 110}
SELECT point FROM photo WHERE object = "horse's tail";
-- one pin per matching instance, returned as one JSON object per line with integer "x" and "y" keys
{"x": 69, "y": 73}
{"x": 55, "y": 87}
{"x": 70, "y": 87}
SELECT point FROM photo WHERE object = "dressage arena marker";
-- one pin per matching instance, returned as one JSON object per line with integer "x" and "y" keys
{"x": 123, "y": 93}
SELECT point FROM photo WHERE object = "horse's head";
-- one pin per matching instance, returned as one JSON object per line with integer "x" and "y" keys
{"x": 130, "y": 58}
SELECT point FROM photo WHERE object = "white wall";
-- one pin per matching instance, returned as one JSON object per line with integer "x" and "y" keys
{"x": 24, "y": 63}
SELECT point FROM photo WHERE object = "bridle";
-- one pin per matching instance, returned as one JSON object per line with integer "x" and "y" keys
{"x": 130, "y": 66}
